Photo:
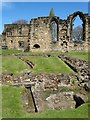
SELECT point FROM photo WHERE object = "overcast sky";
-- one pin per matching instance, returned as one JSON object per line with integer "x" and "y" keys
{"x": 12, "y": 11}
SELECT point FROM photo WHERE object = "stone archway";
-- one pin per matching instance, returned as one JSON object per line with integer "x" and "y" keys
{"x": 82, "y": 17}
{"x": 36, "y": 46}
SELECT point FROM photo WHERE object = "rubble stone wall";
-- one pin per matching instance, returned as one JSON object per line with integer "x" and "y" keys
{"x": 81, "y": 67}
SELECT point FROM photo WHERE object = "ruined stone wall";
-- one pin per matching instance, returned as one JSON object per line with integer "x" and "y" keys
{"x": 38, "y": 32}
{"x": 16, "y": 36}
{"x": 85, "y": 19}
{"x": 37, "y": 36}
{"x": 41, "y": 34}
{"x": 88, "y": 33}
{"x": 81, "y": 67}
{"x": 63, "y": 35}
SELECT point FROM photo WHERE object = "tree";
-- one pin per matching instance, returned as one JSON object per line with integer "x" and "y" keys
{"x": 51, "y": 13}
{"x": 77, "y": 34}
{"x": 20, "y": 22}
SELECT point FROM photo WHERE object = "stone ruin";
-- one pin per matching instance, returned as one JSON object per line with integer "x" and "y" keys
{"x": 52, "y": 91}
{"x": 37, "y": 36}
{"x": 47, "y": 91}
{"x": 49, "y": 33}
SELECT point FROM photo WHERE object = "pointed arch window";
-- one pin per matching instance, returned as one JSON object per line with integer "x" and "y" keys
{"x": 78, "y": 27}
{"x": 54, "y": 31}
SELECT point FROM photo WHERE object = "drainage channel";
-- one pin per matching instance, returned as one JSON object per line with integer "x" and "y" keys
{"x": 72, "y": 67}
{"x": 28, "y": 86}
{"x": 28, "y": 62}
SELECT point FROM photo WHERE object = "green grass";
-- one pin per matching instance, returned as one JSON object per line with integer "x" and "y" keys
{"x": 10, "y": 51}
{"x": 49, "y": 65}
{"x": 42, "y": 64}
{"x": 79, "y": 55}
{"x": 0, "y": 102}
{"x": 11, "y": 102}
{"x": 13, "y": 65}
{"x": 12, "y": 107}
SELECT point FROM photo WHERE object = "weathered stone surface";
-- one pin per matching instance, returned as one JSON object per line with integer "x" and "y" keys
{"x": 61, "y": 101}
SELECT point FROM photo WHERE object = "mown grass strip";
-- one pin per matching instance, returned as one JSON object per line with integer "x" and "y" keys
{"x": 49, "y": 65}
{"x": 10, "y": 51}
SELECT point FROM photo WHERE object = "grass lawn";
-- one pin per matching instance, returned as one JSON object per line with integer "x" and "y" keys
{"x": 0, "y": 102}
{"x": 49, "y": 65}
{"x": 12, "y": 107}
{"x": 79, "y": 55}
{"x": 13, "y": 65}
{"x": 9, "y": 51}
{"x": 12, "y": 104}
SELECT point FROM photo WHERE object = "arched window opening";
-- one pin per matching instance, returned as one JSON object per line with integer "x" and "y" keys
{"x": 54, "y": 31}
{"x": 77, "y": 34}
{"x": 36, "y": 46}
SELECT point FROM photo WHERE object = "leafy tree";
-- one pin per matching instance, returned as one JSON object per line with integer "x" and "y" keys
{"x": 77, "y": 34}
{"x": 20, "y": 22}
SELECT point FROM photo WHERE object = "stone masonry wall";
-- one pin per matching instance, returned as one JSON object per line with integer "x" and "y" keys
{"x": 16, "y": 36}
{"x": 37, "y": 35}
{"x": 40, "y": 34}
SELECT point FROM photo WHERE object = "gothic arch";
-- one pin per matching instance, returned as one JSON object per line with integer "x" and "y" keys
{"x": 82, "y": 17}
{"x": 54, "y": 29}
